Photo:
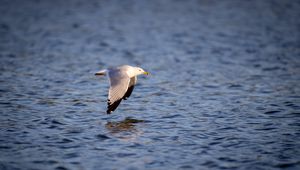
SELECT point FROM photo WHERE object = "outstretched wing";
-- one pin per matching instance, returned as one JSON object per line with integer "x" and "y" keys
{"x": 130, "y": 87}
{"x": 118, "y": 87}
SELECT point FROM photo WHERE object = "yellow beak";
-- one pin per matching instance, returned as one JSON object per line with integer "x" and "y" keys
{"x": 146, "y": 73}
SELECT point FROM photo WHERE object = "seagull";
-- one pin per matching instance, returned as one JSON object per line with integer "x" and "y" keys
{"x": 122, "y": 80}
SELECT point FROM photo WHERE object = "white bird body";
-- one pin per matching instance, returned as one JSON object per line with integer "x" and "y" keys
{"x": 122, "y": 80}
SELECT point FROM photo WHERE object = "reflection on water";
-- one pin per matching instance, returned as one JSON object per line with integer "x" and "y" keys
{"x": 128, "y": 124}
{"x": 125, "y": 129}
{"x": 224, "y": 91}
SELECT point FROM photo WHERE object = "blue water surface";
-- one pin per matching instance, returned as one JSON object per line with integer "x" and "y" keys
{"x": 223, "y": 91}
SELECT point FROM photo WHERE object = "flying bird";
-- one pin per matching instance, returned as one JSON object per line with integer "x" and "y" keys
{"x": 122, "y": 80}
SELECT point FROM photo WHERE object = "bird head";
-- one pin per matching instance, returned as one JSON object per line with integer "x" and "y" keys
{"x": 140, "y": 71}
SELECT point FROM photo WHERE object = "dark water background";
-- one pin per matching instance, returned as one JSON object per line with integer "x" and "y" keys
{"x": 224, "y": 91}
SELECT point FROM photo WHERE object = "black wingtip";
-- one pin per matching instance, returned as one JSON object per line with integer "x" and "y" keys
{"x": 112, "y": 107}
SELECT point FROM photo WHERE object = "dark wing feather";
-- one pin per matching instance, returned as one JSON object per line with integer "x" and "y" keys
{"x": 112, "y": 106}
{"x": 130, "y": 87}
